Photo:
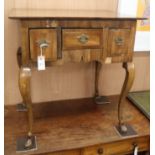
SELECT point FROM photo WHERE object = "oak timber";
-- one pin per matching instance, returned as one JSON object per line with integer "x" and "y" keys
{"x": 76, "y": 125}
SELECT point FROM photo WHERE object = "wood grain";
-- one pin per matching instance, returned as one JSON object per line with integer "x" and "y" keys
{"x": 74, "y": 23}
{"x": 47, "y": 35}
{"x": 128, "y": 82}
{"x": 25, "y": 46}
{"x": 71, "y": 39}
{"x": 80, "y": 38}
{"x": 56, "y": 130}
{"x": 80, "y": 76}
{"x": 25, "y": 90}
{"x": 68, "y": 14}
{"x": 118, "y": 42}
{"x": 71, "y": 152}
{"x": 98, "y": 67}
{"x": 94, "y": 32}
{"x": 119, "y": 148}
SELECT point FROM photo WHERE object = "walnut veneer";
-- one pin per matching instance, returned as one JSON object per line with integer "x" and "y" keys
{"x": 77, "y": 36}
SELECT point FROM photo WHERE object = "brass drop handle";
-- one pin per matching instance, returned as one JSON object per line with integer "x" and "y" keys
{"x": 42, "y": 44}
{"x": 83, "y": 38}
{"x": 119, "y": 41}
{"x": 135, "y": 151}
{"x": 100, "y": 151}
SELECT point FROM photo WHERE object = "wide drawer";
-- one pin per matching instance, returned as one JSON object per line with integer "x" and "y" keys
{"x": 74, "y": 39}
{"x": 118, "y": 148}
{"x": 43, "y": 36}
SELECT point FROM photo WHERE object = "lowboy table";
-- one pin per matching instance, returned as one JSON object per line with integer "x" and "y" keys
{"x": 60, "y": 36}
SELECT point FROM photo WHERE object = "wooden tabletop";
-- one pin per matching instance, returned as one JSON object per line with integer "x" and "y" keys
{"x": 71, "y": 124}
{"x": 69, "y": 14}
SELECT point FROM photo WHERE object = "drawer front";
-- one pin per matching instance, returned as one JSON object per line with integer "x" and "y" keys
{"x": 74, "y": 39}
{"x": 43, "y": 37}
{"x": 119, "y": 42}
{"x": 119, "y": 148}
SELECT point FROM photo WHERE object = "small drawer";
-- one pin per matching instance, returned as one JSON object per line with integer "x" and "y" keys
{"x": 119, "y": 42}
{"x": 74, "y": 39}
{"x": 47, "y": 37}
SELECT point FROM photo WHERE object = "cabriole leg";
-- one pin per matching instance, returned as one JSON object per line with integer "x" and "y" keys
{"x": 24, "y": 86}
{"x": 129, "y": 78}
{"x": 98, "y": 66}
{"x": 99, "y": 99}
{"x": 20, "y": 106}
